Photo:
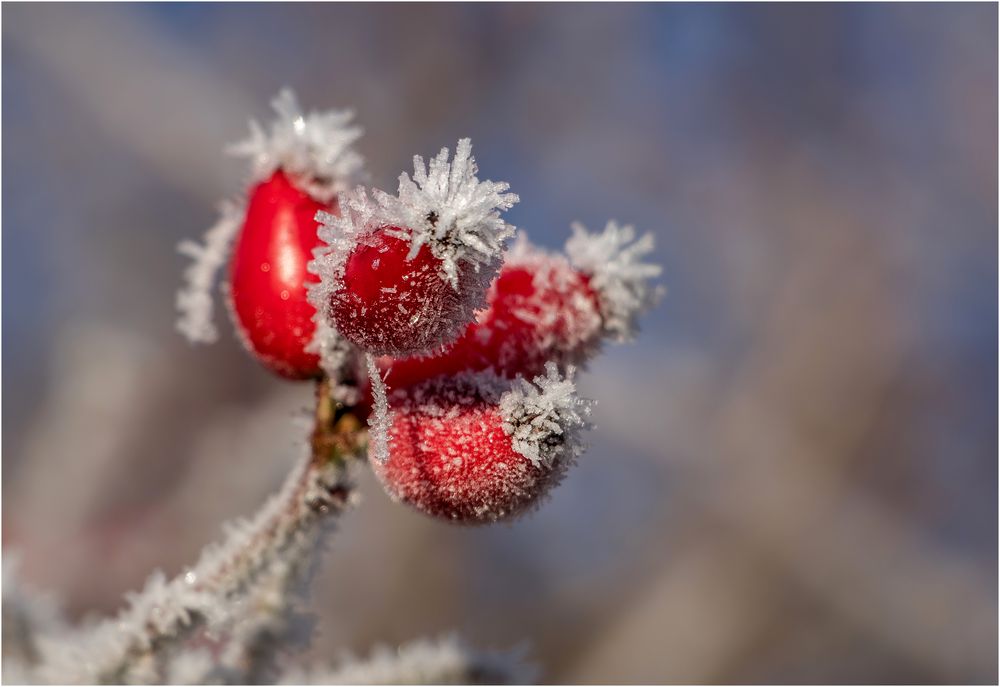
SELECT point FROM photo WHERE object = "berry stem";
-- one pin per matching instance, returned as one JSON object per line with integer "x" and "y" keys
{"x": 337, "y": 431}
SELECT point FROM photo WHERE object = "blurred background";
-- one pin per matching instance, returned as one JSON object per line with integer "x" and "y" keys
{"x": 794, "y": 472}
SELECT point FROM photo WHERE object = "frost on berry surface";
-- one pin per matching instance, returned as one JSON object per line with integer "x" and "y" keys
{"x": 539, "y": 309}
{"x": 315, "y": 148}
{"x": 476, "y": 447}
{"x": 613, "y": 261}
{"x": 194, "y": 300}
{"x": 405, "y": 274}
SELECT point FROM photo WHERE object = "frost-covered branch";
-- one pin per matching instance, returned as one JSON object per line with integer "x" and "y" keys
{"x": 275, "y": 546}
{"x": 27, "y": 616}
{"x": 445, "y": 661}
{"x": 272, "y": 623}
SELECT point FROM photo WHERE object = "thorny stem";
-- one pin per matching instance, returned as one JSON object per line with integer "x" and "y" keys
{"x": 321, "y": 488}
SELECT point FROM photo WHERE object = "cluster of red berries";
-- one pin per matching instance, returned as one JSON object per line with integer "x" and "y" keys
{"x": 476, "y": 342}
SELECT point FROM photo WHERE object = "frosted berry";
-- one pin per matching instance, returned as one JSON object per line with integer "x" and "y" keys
{"x": 405, "y": 274}
{"x": 478, "y": 448}
{"x": 540, "y": 309}
{"x": 391, "y": 302}
{"x": 546, "y": 307}
{"x": 268, "y": 277}
{"x": 300, "y": 163}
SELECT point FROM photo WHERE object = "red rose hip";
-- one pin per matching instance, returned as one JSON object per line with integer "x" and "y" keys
{"x": 391, "y": 303}
{"x": 546, "y": 307}
{"x": 405, "y": 274}
{"x": 539, "y": 309}
{"x": 477, "y": 448}
{"x": 268, "y": 277}
{"x": 299, "y": 164}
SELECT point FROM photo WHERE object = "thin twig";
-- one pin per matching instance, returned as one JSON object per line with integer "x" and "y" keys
{"x": 131, "y": 646}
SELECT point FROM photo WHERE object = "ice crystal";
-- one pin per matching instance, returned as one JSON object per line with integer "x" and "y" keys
{"x": 314, "y": 148}
{"x": 444, "y": 661}
{"x": 28, "y": 616}
{"x": 379, "y": 420}
{"x": 166, "y": 612}
{"x": 271, "y": 621}
{"x": 617, "y": 273}
{"x": 444, "y": 206}
{"x": 194, "y": 299}
{"x": 338, "y": 236}
{"x": 337, "y": 356}
{"x": 543, "y": 417}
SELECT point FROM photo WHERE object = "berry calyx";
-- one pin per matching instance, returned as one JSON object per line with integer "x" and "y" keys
{"x": 612, "y": 262}
{"x": 477, "y": 448}
{"x": 405, "y": 274}
{"x": 268, "y": 278}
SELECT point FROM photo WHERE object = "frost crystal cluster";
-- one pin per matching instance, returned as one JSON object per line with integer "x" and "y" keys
{"x": 437, "y": 351}
{"x": 613, "y": 259}
{"x": 315, "y": 147}
{"x": 194, "y": 299}
{"x": 541, "y": 417}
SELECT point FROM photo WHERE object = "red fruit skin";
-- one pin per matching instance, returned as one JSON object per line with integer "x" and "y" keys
{"x": 268, "y": 277}
{"x": 458, "y": 465}
{"x": 540, "y": 309}
{"x": 391, "y": 305}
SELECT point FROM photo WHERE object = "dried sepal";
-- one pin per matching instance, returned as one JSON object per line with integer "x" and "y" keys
{"x": 448, "y": 209}
{"x": 315, "y": 148}
{"x": 542, "y": 417}
{"x": 194, "y": 300}
{"x": 612, "y": 259}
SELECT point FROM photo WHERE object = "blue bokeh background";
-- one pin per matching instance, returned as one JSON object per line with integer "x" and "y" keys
{"x": 794, "y": 473}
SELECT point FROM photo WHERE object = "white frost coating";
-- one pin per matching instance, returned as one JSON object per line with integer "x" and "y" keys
{"x": 338, "y": 237}
{"x": 444, "y": 206}
{"x": 444, "y": 661}
{"x": 28, "y": 616}
{"x": 194, "y": 299}
{"x": 543, "y": 417}
{"x": 379, "y": 421}
{"x": 336, "y": 354}
{"x": 127, "y": 647}
{"x": 189, "y": 667}
{"x": 617, "y": 274}
{"x": 314, "y": 147}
